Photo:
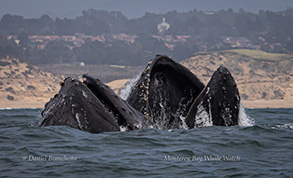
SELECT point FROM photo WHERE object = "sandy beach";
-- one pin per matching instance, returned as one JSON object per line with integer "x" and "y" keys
{"x": 267, "y": 104}
{"x": 115, "y": 85}
{"x": 246, "y": 103}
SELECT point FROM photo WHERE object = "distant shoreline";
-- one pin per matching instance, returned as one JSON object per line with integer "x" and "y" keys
{"x": 255, "y": 104}
{"x": 22, "y": 105}
{"x": 258, "y": 104}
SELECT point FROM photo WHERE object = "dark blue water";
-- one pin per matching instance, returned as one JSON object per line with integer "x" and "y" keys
{"x": 264, "y": 150}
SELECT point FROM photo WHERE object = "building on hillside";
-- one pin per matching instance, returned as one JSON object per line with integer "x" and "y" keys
{"x": 237, "y": 42}
{"x": 163, "y": 27}
{"x": 125, "y": 37}
{"x": 209, "y": 12}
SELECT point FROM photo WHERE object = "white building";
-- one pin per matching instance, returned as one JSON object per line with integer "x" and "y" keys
{"x": 163, "y": 27}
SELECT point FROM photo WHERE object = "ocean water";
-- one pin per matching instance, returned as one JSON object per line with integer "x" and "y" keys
{"x": 263, "y": 150}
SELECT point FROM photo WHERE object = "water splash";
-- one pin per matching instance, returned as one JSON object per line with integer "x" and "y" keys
{"x": 184, "y": 125}
{"x": 282, "y": 126}
{"x": 202, "y": 117}
{"x": 123, "y": 128}
{"x": 124, "y": 92}
{"x": 244, "y": 119}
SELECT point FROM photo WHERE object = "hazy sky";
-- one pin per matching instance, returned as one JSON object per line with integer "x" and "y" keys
{"x": 131, "y": 8}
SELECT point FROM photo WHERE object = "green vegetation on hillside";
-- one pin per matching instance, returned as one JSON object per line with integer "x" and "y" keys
{"x": 257, "y": 54}
{"x": 271, "y": 63}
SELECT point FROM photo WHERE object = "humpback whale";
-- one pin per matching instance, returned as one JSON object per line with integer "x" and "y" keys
{"x": 164, "y": 92}
{"x": 166, "y": 96}
{"x": 91, "y": 106}
{"x": 217, "y": 104}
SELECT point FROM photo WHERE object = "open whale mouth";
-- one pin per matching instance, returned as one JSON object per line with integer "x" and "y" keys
{"x": 165, "y": 92}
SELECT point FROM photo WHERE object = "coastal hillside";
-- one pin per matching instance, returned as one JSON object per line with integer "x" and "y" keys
{"x": 259, "y": 75}
{"x": 21, "y": 84}
{"x": 264, "y": 79}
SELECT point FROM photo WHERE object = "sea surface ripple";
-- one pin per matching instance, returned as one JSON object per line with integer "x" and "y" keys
{"x": 263, "y": 150}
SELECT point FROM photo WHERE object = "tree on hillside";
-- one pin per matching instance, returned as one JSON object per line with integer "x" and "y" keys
{"x": 10, "y": 48}
{"x": 57, "y": 52}
{"x": 183, "y": 51}
{"x": 289, "y": 45}
{"x": 23, "y": 39}
{"x": 106, "y": 22}
{"x": 41, "y": 26}
{"x": 144, "y": 25}
{"x": 12, "y": 24}
{"x": 92, "y": 52}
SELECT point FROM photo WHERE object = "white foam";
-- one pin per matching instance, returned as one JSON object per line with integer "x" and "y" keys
{"x": 123, "y": 128}
{"x": 285, "y": 126}
{"x": 244, "y": 119}
{"x": 138, "y": 125}
{"x": 184, "y": 125}
{"x": 8, "y": 108}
